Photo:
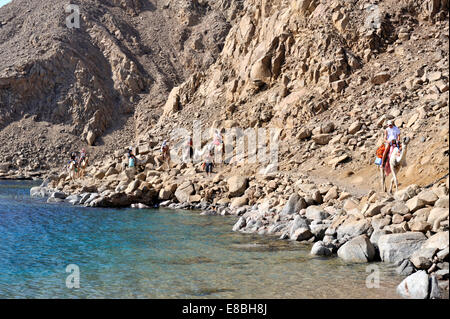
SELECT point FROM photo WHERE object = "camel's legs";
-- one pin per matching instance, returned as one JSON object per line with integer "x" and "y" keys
{"x": 394, "y": 180}
{"x": 383, "y": 183}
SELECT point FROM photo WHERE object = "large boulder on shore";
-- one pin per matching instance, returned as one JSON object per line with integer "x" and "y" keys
{"x": 352, "y": 228}
{"x": 397, "y": 247}
{"x": 237, "y": 185}
{"x": 415, "y": 286}
{"x": 294, "y": 204}
{"x": 316, "y": 213}
{"x": 359, "y": 249}
{"x": 184, "y": 191}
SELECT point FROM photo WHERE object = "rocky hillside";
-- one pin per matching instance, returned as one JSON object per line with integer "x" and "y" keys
{"x": 329, "y": 74}
{"x": 92, "y": 81}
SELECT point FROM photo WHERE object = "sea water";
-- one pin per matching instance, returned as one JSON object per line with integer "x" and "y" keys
{"x": 160, "y": 253}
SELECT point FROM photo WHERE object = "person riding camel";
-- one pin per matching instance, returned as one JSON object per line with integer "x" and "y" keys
{"x": 83, "y": 161}
{"x": 391, "y": 139}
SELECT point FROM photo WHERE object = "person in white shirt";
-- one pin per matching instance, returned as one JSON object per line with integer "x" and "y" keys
{"x": 391, "y": 137}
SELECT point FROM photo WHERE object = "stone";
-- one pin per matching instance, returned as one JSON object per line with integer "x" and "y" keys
{"x": 436, "y": 291}
{"x": 301, "y": 233}
{"x": 318, "y": 230}
{"x": 399, "y": 208}
{"x": 298, "y": 222}
{"x": 322, "y": 139}
{"x": 239, "y": 202}
{"x": 374, "y": 209}
{"x": 354, "y": 127}
{"x": 380, "y": 78}
{"x": 428, "y": 197}
{"x": 406, "y": 268}
{"x": 316, "y": 212}
{"x": 239, "y": 224}
{"x": 331, "y": 194}
{"x": 437, "y": 215}
{"x": 407, "y": 193}
{"x": 397, "y": 219}
{"x": 352, "y": 228}
{"x": 437, "y": 241}
{"x": 442, "y": 202}
{"x": 415, "y": 203}
{"x": 422, "y": 258}
{"x": 58, "y": 195}
{"x": 237, "y": 185}
{"x": 294, "y": 204}
{"x": 397, "y": 247}
{"x": 90, "y": 138}
{"x": 184, "y": 191}
{"x": 415, "y": 286}
{"x": 375, "y": 237}
{"x": 39, "y": 191}
{"x": 359, "y": 249}
{"x": 419, "y": 226}
{"x": 304, "y": 133}
{"x": 320, "y": 249}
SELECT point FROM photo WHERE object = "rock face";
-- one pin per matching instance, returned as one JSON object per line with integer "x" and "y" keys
{"x": 184, "y": 191}
{"x": 397, "y": 247}
{"x": 415, "y": 286}
{"x": 91, "y": 77}
{"x": 237, "y": 185}
{"x": 359, "y": 249}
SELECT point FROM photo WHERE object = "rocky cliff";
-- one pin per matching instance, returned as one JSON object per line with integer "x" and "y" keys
{"x": 122, "y": 61}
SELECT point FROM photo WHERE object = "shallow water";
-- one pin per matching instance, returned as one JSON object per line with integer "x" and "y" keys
{"x": 127, "y": 253}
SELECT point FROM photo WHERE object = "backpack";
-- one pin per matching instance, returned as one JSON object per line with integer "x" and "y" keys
{"x": 380, "y": 151}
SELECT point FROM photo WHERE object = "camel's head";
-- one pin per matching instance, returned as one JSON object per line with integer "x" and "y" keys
{"x": 406, "y": 140}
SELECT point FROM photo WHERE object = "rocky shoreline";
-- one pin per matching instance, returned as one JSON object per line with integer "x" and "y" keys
{"x": 408, "y": 228}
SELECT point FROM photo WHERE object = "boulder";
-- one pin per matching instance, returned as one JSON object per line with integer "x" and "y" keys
{"x": 437, "y": 215}
{"x": 237, "y": 185}
{"x": 397, "y": 247}
{"x": 359, "y": 249}
{"x": 380, "y": 78}
{"x": 294, "y": 204}
{"x": 331, "y": 194}
{"x": 428, "y": 197}
{"x": 316, "y": 213}
{"x": 239, "y": 224}
{"x": 442, "y": 202}
{"x": 351, "y": 228}
{"x": 322, "y": 139}
{"x": 399, "y": 208}
{"x": 415, "y": 203}
{"x": 298, "y": 222}
{"x": 239, "y": 202}
{"x": 422, "y": 258}
{"x": 354, "y": 127}
{"x": 184, "y": 191}
{"x": 437, "y": 241}
{"x": 406, "y": 268}
{"x": 415, "y": 286}
{"x": 321, "y": 249}
{"x": 304, "y": 133}
{"x": 301, "y": 233}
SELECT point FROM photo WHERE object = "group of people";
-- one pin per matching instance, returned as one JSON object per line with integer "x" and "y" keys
{"x": 207, "y": 156}
{"x": 77, "y": 164}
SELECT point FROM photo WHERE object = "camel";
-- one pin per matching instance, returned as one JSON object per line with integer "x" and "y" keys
{"x": 396, "y": 160}
{"x": 73, "y": 170}
{"x": 83, "y": 164}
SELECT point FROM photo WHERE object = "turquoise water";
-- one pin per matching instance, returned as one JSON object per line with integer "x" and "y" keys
{"x": 159, "y": 254}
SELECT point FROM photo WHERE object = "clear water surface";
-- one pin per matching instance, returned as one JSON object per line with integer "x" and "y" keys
{"x": 130, "y": 253}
